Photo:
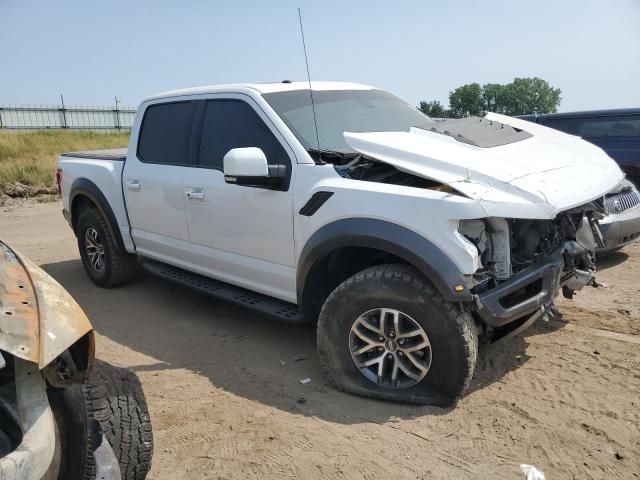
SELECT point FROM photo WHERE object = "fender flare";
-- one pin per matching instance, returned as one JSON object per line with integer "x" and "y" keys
{"x": 86, "y": 188}
{"x": 406, "y": 244}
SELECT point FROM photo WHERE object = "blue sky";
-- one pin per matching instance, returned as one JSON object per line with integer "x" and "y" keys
{"x": 92, "y": 51}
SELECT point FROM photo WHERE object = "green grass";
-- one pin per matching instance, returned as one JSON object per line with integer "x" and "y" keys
{"x": 30, "y": 157}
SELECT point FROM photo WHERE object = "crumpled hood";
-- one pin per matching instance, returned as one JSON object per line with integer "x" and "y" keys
{"x": 532, "y": 178}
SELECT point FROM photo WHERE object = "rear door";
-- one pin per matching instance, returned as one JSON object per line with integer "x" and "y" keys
{"x": 240, "y": 234}
{"x": 153, "y": 181}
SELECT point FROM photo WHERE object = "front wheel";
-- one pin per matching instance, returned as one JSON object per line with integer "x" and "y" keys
{"x": 386, "y": 333}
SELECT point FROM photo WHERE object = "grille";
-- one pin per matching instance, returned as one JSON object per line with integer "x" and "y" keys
{"x": 620, "y": 202}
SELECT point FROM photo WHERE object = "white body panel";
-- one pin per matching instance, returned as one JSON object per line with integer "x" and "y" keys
{"x": 253, "y": 237}
{"x": 106, "y": 175}
{"x": 154, "y": 197}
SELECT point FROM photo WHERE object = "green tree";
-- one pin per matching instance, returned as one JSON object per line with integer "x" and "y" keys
{"x": 493, "y": 97}
{"x": 530, "y": 95}
{"x": 466, "y": 100}
{"x": 520, "y": 97}
{"x": 433, "y": 109}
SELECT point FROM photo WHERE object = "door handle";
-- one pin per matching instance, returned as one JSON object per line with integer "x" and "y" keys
{"x": 133, "y": 185}
{"x": 196, "y": 194}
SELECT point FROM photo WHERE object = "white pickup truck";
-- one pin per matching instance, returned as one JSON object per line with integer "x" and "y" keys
{"x": 403, "y": 238}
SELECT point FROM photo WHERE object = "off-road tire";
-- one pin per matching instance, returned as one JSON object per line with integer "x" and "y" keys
{"x": 119, "y": 266}
{"x": 451, "y": 331}
{"x": 111, "y": 403}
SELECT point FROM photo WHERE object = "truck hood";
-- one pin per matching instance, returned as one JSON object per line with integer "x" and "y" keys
{"x": 537, "y": 175}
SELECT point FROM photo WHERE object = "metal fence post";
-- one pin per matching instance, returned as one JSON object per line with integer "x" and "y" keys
{"x": 64, "y": 113}
{"x": 117, "y": 115}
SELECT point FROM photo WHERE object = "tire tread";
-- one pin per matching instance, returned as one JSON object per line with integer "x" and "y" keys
{"x": 404, "y": 274}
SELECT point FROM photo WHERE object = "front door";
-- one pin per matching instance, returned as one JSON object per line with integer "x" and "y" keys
{"x": 240, "y": 234}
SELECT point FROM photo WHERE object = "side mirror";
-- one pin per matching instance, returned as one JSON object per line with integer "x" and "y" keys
{"x": 248, "y": 166}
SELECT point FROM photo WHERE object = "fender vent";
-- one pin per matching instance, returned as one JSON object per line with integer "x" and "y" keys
{"x": 314, "y": 203}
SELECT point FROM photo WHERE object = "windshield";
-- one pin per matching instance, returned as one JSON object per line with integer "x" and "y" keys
{"x": 340, "y": 111}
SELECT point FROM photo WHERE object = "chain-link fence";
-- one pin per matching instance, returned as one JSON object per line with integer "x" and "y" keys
{"x": 30, "y": 117}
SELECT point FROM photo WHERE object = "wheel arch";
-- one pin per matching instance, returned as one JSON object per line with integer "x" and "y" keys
{"x": 84, "y": 192}
{"x": 340, "y": 249}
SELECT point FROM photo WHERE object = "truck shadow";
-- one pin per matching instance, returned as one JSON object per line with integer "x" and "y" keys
{"x": 609, "y": 260}
{"x": 243, "y": 352}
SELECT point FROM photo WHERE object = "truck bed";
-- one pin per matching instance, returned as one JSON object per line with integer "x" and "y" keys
{"x": 116, "y": 154}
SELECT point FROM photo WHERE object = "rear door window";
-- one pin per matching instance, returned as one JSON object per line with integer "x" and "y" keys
{"x": 231, "y": 124}
{"x": 598, "y": 127}
{"x": 165, "y": 133}
{"x": 567, "y": 125}
{"x": 619, "y": 126}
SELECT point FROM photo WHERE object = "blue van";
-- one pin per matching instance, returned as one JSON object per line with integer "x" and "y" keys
{"x": 616, "y": 131}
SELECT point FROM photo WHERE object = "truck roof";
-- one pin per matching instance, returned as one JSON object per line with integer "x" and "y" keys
{"x": 272, "y": 87}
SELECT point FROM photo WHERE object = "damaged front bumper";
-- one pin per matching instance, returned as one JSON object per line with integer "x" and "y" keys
{"x": 547, "y": 258}
{"x": 523, "y": 294}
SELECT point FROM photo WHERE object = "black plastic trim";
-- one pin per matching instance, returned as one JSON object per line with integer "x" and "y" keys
{"x": 87, "y": 188}
{"x": 490, "y": 308}
{"x": 416, "y": 250}
{"x": 264, "y": 304}
{"x": 315, "y": 202}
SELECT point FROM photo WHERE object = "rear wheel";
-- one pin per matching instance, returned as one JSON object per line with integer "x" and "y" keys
{"x": 104, "y": 262}
{"x": 387, "y": 333}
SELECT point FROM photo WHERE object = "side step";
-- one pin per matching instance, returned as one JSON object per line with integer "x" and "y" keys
{"x": 272, "y": 307}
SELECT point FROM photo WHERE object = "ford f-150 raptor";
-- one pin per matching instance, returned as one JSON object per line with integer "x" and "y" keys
{"x": 403, "y": 238}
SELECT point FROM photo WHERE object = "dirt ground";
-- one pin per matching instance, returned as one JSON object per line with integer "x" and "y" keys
{"x": 223, "y": 391}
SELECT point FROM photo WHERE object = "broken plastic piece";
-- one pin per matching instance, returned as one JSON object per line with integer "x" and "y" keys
{"x": 304, "y": 381}
{"x": 532, "y": 472}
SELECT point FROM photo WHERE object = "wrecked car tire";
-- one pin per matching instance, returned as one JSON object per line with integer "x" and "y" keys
{"x": 104, "y": 262}
{"x": 111, "y": 404}
{"x": 115, "y": 398}
{"x": 76, "y": 440}
{"x": 386, "y": 333}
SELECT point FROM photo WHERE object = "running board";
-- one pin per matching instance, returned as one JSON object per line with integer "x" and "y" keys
{"x": 272, "y": 307}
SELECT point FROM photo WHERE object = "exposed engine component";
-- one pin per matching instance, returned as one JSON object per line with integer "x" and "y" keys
{"x": 507, "y": 247}
{"x": 362, "y": 168}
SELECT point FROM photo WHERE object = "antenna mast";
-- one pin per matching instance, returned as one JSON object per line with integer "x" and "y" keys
{"x": 313, "y": 105}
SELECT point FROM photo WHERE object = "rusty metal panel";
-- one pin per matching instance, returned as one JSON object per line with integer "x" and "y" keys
{"x": 38, "y": 318}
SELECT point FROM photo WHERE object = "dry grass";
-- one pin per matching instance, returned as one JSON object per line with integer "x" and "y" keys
{"x": 30, "y": 158}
